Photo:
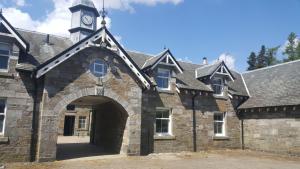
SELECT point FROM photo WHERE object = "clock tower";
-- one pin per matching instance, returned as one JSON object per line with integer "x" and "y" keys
{"x": 84, "y": 19}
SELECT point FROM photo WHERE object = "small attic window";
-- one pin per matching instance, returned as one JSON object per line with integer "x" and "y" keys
{"x": 4, "y": 56}
{"x": 218, "y": 86}
{"x": 163, "y": 78}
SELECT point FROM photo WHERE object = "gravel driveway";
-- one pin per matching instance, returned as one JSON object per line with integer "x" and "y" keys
{"x": 225, "y": 159}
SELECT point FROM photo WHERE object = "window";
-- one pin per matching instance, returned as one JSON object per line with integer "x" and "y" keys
{"x": 71, "y": 107}
{"x": 2, "y": 115}
{"x": 162, "y": 79}
{"x": 163, "y": 122}
{"x": 218, "y": 86}
{"x": 4, "y": 56}
{"x": 219, "y": 124}
{"x": 99, "y": 68}
{"x": 82, "y": 122}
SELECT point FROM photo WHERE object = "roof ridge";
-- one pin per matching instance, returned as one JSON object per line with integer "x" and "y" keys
{"x": 269, "y": 67}
{"x": 42, "y": 33}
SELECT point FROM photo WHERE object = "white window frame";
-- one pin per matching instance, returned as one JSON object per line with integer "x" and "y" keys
{"x": 168, "y": 78}
{"x": 80, "y": 118}
{"x": 221, "y": 85}
{"x": 223, "y": 134}
{"x": 4, "y": 114}
{"x": 170, "y": 131}
{"x": 9, "y": 54}
{"x": 102, "y": 70}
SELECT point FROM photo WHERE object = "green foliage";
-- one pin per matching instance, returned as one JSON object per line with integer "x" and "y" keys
{"x": 271, "y": 58}
{"x": 292, "y": 49}
{"x": 252, "y": 61}
{"x": 262, "y": 58}
{"x": 268, "y": 56}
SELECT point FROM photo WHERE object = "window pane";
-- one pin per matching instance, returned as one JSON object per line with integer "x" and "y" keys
{"x": 158, "y": 125}
{"x": 1, "y": 122}
{"x": 82, "y": 121}
{"x": 159, "y": 114}
{"x": 162, "y": 82}
{"x": 217, "y": 89}
{"x": 2, "y": 106}
{"x": 218, "y": 117}
{"x": 3, "y": 62}
{"x": 4, "y": 52}
{"x": 163, "y": 73}
{"x": 166, "y": 114}
{"x": 218, "y": 127}
{"x": 165, "y": 126}
{"x": 98, "y": 68}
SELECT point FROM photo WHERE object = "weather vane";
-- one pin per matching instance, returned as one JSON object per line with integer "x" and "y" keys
{"x": 103, "y": 14}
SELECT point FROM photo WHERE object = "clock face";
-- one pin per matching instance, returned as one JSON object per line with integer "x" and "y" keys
{"x": 87, "y": 19}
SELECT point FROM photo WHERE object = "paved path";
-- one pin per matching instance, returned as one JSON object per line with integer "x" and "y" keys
{"x": 212, "y": 160}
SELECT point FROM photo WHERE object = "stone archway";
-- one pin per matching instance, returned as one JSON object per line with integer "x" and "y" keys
{"x": 50, "y": 116}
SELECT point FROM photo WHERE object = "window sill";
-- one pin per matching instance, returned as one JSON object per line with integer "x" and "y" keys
{"x": 3, "y": 140}
{"x": 221, "y": 138}
{"x": 220, "y": 97}
{"x": 165, "y": 91}
{"x": 164, "y": 137}
{"x": 6, "y": 74}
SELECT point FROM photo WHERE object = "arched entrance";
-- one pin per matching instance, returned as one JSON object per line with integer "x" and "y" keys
{"x": 115, "y": 126}
{"x": 95, "y": 125}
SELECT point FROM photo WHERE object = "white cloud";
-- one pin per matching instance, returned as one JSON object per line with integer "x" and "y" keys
{"x": 58, "y": 21}
{"x": 185, "y": 59}
{"x": 20, "y": 2}
{"x": 20, "y": 19}
{"x": 228, "y": 59}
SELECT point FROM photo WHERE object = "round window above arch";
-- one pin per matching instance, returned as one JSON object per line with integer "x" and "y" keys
{"x": 99, "y": 68}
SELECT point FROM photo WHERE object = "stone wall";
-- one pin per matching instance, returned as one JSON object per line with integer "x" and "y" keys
{"x": 274, "y": 130}
{"x": 72, "y": 80}
{"x": 18, "y": 90}
{"x": 78, "y": 112}
{"x": 182, "y": 122}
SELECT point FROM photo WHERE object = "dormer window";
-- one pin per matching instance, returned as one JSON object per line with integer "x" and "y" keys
{"x": 218, "y": 86}
{"x": 163, "y": 79}
{"x": 4, "y": 56}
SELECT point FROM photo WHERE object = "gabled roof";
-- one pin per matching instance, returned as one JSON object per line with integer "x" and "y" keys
{"x": 210, "y": 70}
{"x": 105, "y": 37}
{"x": 273, "y": 86}
{"x": 13, "y": 31}
{"x": 165, "y": 55}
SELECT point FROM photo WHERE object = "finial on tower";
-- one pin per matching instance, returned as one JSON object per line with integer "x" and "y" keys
{"x": 0, "y": 10}
{"x": 103, "y": 14}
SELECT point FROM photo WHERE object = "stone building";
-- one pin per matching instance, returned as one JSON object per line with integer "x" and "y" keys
{"x": 140, "y": 103}
{"x": 75, "y": 121}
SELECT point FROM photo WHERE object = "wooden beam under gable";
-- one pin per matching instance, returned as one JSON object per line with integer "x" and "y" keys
{"x": 15, "y": 34}
{"x": 105, "y": 37}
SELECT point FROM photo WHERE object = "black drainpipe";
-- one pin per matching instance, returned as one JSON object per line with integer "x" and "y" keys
{"x": 34, "y": 114}
{"x": 194, "y": 123}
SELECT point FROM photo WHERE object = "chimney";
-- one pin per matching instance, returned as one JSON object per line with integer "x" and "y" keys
{"x": 205, "y": 61}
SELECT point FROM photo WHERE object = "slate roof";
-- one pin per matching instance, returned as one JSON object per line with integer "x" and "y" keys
{"x": 273, "y": 86}
{"x": 40, "y": 52}
{"x": 207, "y": 70}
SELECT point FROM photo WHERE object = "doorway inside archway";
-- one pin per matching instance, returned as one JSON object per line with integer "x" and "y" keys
{"x": 91, "y": 126}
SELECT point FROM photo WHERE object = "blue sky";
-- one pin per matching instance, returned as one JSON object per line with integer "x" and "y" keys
{"x": 192, "y": 29}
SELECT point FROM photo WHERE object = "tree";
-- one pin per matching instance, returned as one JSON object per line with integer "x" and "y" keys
{"x": 298, "y": 51}
{"x": 252, "y": 61}
{"x": 271, "y": 58}
{"x": 262, "y": 58}
{"x": 290, "y": 49}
